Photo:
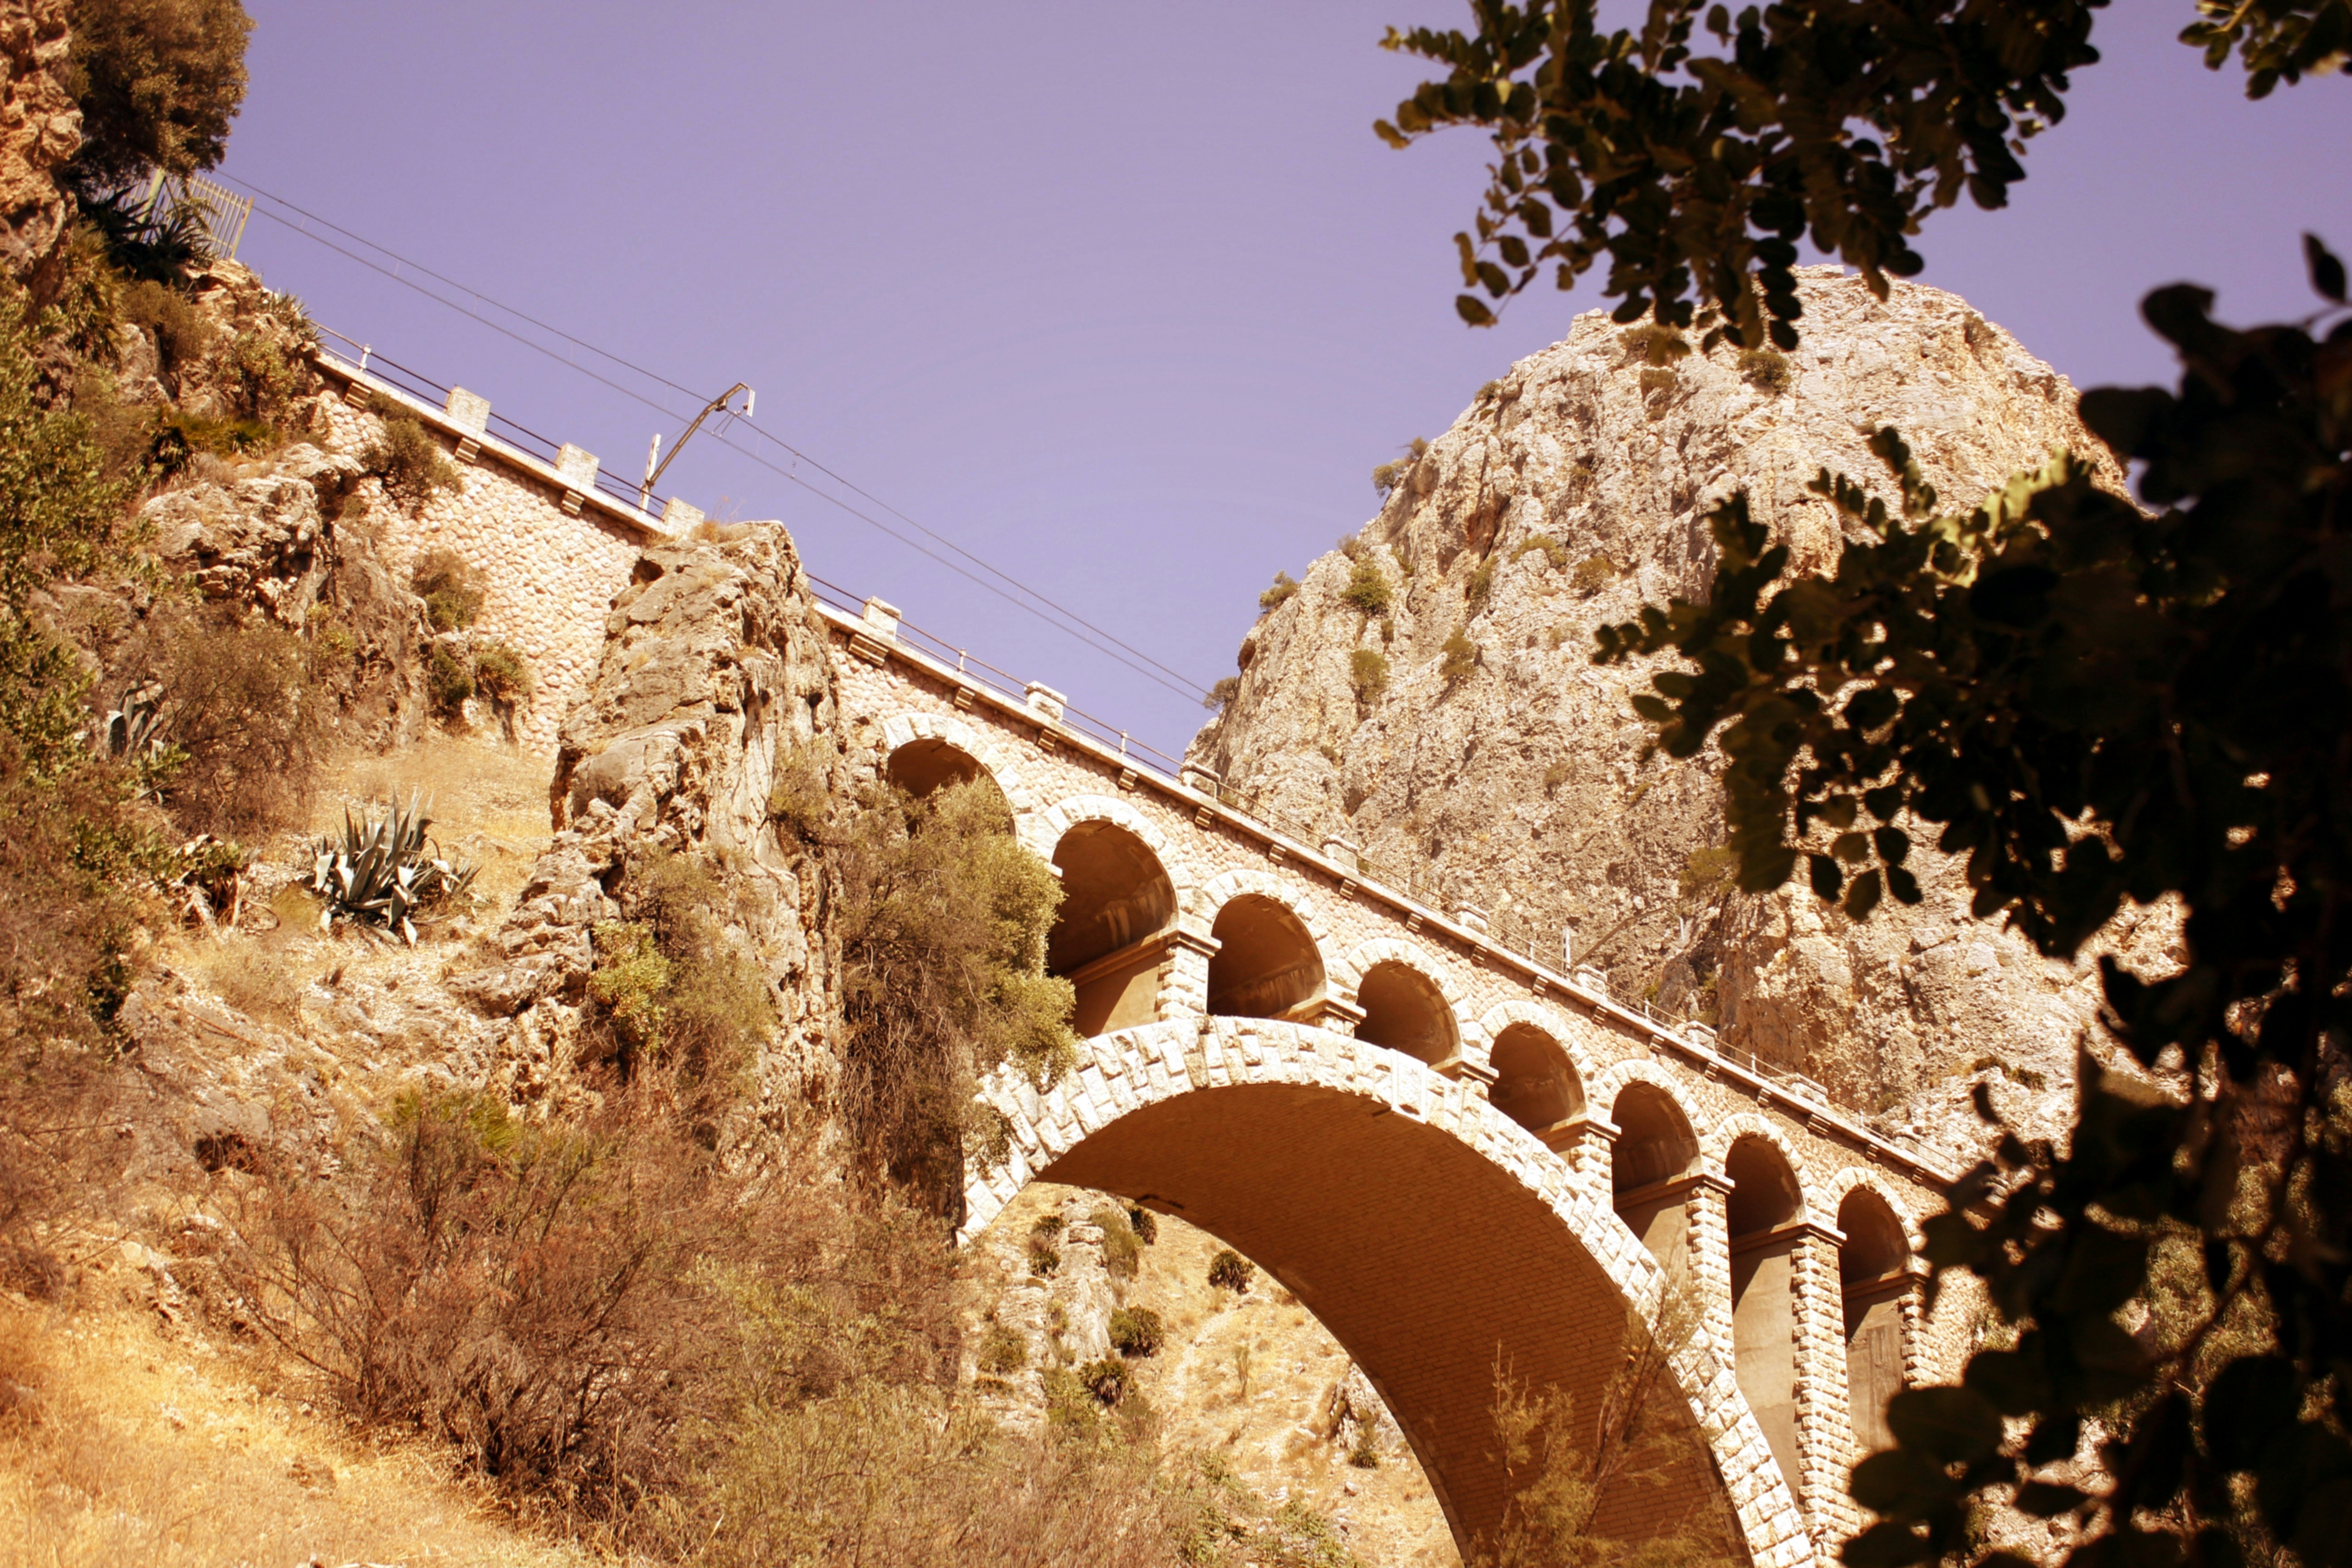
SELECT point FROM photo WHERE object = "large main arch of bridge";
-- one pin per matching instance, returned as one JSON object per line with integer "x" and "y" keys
{"x": 1436, "y": 1237}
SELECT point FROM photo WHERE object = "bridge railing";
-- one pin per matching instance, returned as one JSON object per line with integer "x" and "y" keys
{"x": 529, "y": 442}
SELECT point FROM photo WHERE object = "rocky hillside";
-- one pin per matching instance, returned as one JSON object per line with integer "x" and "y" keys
{"x": 1509, "y": 773}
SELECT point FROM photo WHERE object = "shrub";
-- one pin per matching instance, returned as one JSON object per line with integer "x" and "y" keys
{"x": 1137, "y": 1332}
{"x": 1557, "y": 775}
{"x": 1285, "y": 586}
{"x": 1122, "y": 1253}
{"x": 1145, "y": 1224}
{"x": 183, "y": 336}
{"x": 1554, "y": 553}
{"x": 1593, "y": 573}
{"x": 449, "y": 678}
{"x": 501, "y": 673}
{"x": 1221, "y": 696}
{"x": 409, "y": 460}
{"x": 800, "y": 802}
{"x": 158, "y": 83}
{"x": 268, "y": 377}
{"x": 1461, "y": 657}
{"x": 1107, "y": 1380}
{"x": 237, "y": 708}
{"x": 1001, "y": 1350}
{"x": 1229, "y": 1271}
{"x": 1481, "y": 584}
{"x": 561, "y": 1302}
{"x": 1352, "y": 546}
{"x": 1767, "y": 370}
{"x": 943, "y": 918}
{"x": 1044, "y": 1257}
{"x": 452, "y": 590}
{"x": 1368, "y": 669}
{"x": 675, "y": 988}
{"x": 1368, "y": 588}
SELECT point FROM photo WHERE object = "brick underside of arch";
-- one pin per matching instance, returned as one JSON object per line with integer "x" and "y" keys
{"x": 1427, "y": 1230}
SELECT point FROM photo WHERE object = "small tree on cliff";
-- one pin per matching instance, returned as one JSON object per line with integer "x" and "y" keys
{"x": 2091, "y": 703}
{"x": 158, "y": 83}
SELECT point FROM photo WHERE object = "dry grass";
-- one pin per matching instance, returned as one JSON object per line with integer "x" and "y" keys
{"x": 489, "y": 801}
{"x": 117, "y": 1446}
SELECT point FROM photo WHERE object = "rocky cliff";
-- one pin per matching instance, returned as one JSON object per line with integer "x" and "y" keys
{"x": 1509, "y": 773}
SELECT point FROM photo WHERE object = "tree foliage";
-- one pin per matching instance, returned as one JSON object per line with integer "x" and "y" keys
{"x": 158, "y": 83}
{"x": 2093, "y": 703}
{"x": 943, "y": 919}
{"x": 2097, "y": 705}
{"x": 1694, "y": 152}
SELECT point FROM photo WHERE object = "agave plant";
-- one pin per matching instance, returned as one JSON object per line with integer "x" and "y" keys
{"x": 381, "y": 872}
{"x": 134, "y": 731}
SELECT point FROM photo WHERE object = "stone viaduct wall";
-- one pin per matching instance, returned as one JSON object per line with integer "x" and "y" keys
{"x": 1213, "y": 955}
{"x": 551, "y": 549}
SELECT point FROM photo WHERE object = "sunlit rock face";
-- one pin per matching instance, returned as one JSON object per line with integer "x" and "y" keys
{"x": 1574, "y": 491}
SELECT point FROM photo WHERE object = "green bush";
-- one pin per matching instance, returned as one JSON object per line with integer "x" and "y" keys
{"x": 1554, "y": 553}
{"x": 1461, "y": 657}
{"x": 1368, "y": 669}
{"x": 1221, "y": 696}
{"x": 1044, "y": 1257}
{"x": 1481, "y": 584}
{"x": 238, "y": 707}
{"x": 1122, "y": 1251}
{"x": 1137, "y": 1332}
{"x": 800, "y": 801}
{"x": 408, "y": 458}
{"x": 1109, "y": 1380}
{"x": 268, "y": 376}
{"x": 501, "y": 673}
{"x": 943, "y": 918}
{"x": 1145, "y": 1224}
{"x": 183, "y": 336}
{"x": 1593, "y": 573}
{"x": 449, "y": 678}
{"x": 677, "y": 990}
{"x": 1767, "y": 370}
{"x": 1369, "y": 588}
{"x": 452, "y": 590}
{"x": 1285, "y": 586}
{"x": 1001, "y": 1350}
{"x": 1229, "y": 1271}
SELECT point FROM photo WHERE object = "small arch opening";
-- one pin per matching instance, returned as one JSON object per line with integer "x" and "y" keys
{"x": 1653, "y": 1142}
{"x": 1405, "y": 1011}
{"x": 1116, "y": 898}
{"x": 1765, "y": 1198}
{"x": 1535, "y": 1084}
{"x": 1764, "y": 1193}
{"x": 1653, "y": 1154}
{"x": 1874, "y": 1271}
{"x": 1267, "y": 965}
{"x": 919, "y": 767}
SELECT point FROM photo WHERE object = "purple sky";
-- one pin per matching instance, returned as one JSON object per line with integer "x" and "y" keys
{"x": 1127, "y": 299}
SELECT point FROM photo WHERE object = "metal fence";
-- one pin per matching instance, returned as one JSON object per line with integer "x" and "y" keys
{"x": 222, "y": 211}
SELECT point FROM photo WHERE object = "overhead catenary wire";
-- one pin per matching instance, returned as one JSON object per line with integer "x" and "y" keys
{"x": 1077, "y": 626}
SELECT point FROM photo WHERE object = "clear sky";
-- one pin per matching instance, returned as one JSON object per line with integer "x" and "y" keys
{"x": 1126, "y": 299}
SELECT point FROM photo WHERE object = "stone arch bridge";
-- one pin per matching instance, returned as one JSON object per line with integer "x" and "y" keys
{"x": 1448, "y": 1151}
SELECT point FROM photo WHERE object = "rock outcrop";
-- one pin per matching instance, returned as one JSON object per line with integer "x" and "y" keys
{"x": 41, "y": 129}
{"x": 1572, "y": 491}
{"x": 715, "y": 684}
